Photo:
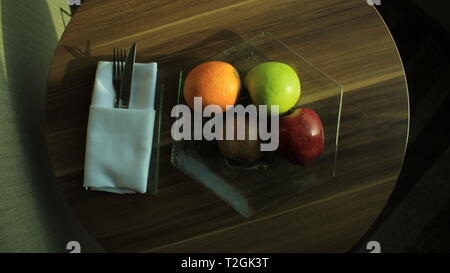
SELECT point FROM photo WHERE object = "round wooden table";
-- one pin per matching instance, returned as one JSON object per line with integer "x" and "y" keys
{"x": 348, "y": 40}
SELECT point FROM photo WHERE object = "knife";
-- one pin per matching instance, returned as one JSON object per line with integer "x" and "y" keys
{"x": 127, "y": 78}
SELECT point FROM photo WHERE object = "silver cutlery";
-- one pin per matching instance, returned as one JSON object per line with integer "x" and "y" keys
{"x": 119, "y": 56}
{"x": 127, "y": 78}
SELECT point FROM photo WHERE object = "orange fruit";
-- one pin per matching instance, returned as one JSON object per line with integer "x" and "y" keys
{"x": 216, "y": 82}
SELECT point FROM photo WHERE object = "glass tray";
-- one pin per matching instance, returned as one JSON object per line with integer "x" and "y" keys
{"x": 251, "y": 188}
{"x": 154, "y": 168}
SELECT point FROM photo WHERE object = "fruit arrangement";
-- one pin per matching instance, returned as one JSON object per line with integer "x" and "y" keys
{"x": 301, "y": 134}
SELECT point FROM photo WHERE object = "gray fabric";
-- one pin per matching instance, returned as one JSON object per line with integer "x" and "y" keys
{"x": 33, "y": 214}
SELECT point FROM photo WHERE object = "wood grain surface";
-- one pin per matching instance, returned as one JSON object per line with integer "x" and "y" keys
{"x": 348, "y": 40}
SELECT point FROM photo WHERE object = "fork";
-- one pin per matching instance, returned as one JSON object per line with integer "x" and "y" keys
{"x": 119, "y": 56}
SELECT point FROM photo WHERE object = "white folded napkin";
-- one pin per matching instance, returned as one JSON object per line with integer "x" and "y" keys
{"x": 119, "y": 141}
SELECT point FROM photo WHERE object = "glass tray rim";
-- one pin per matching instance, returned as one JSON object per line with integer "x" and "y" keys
{"x": 265, "y": 35}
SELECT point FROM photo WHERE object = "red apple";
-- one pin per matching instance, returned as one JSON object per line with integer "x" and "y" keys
{"x": 301, "y": 136}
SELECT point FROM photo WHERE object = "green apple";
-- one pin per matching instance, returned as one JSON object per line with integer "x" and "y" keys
{"x": 273, "y": 83}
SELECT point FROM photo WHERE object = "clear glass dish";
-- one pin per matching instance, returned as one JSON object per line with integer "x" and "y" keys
{"x": 154, "y": 168}
{"x": 252, "y": 187}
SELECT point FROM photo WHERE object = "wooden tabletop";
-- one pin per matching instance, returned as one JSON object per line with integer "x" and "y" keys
{"x": 348, "y": 40}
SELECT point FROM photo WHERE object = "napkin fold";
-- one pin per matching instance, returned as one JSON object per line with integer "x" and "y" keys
{"x": 119, "y": 141}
